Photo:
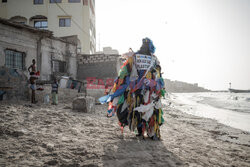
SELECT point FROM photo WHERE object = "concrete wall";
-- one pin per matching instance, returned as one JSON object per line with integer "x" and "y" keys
{"x": 52, "y": 49}
{"x": 35, "y": 45}
{"x": 19, "y": 40}
{"x": 100, "y": 66}
{"x": 38, "y": 45}
{"x": 14, "y": 83}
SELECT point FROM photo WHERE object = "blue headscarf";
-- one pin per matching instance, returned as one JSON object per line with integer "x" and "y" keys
{"x": 150, "y": 44}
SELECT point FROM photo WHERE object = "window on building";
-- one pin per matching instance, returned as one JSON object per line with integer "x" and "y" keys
{"x": 4, "y": 1}
{"x": 38, "y": 1}
{"x": 64, "y": 22}
{"x": 14, "y": 59}
{"x": 59, "y": 66}
{"x": 55, "y": 1}
{"x": 85, "y": 2}
{"x": 41, "y": 24}
{"x": 74, "y": 1}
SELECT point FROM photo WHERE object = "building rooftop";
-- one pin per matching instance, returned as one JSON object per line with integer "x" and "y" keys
{"x": 24, "y": 26}
{"x": 43, "y": 32}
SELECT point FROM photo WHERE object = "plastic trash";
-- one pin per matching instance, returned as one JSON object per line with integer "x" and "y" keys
{"x": 46, "y": 99}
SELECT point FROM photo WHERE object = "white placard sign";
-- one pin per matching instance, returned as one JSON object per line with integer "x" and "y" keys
{"x": 143, "y": 61}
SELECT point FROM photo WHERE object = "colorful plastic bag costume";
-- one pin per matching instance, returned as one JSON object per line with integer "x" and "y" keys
{"x": 135, "y": 96}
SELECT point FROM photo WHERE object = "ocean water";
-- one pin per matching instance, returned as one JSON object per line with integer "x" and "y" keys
{"x": 232, "y": 109}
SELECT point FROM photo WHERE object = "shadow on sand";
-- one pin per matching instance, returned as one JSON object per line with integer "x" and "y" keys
{"x": 138, "y": 152}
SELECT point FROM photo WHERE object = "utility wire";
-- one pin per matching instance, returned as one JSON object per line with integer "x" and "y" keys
{"x": 72, "y": 19}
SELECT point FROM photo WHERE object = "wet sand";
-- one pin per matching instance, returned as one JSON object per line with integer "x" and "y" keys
{"x": 46, "y": 135}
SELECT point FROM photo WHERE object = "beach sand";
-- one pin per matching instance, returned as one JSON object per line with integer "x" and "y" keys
{"x": 47, "y": 135}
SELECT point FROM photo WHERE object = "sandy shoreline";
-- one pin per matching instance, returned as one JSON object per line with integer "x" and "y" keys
{"x": 206, "y": 142}
{"x": 55, "y": 135}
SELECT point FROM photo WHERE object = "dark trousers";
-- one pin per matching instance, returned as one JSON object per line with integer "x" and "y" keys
{"x": 33, "y": 98}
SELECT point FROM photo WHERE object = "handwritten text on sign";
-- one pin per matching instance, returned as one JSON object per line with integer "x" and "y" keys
{"x": 143, "y": 61}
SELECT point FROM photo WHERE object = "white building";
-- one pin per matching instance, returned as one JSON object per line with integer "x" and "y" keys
{"x": 63, "y": 17}
{"x": 108, "y": 51}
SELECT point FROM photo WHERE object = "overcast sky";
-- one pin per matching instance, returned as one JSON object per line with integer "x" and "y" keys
{"x": 197, "y": 41}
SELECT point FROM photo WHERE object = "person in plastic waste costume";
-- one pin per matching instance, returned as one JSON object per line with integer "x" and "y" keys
{"x": 135, "y": 96}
